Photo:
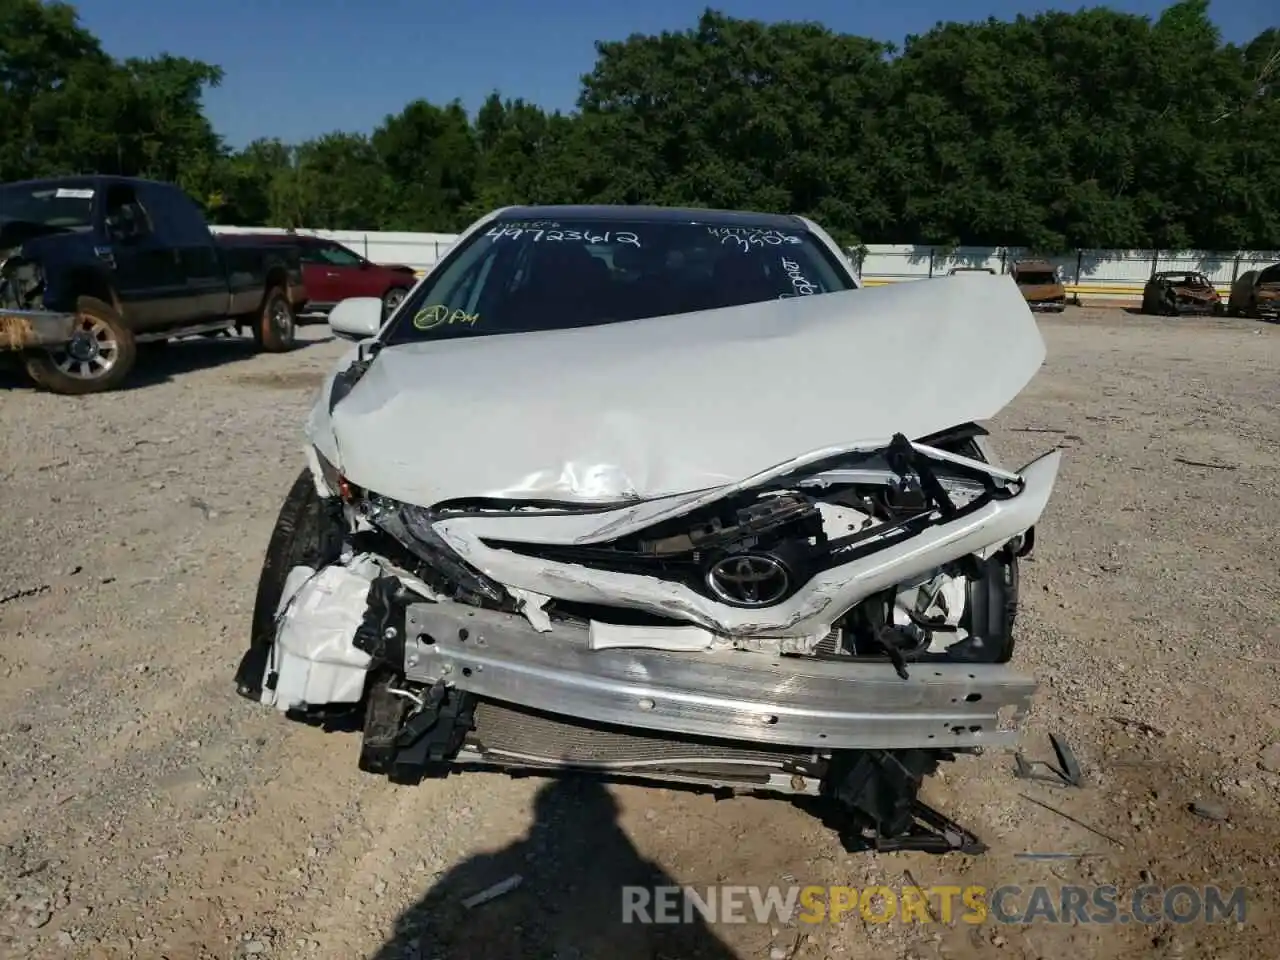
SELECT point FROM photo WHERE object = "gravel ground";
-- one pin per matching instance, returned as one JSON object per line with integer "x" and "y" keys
{"x": 149, "y": 812}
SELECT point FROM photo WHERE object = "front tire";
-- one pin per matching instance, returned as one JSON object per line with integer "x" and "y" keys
{"x": 276, "y": 328}
{"x": 305, "y": 533}
{"x": 100, "y": 356}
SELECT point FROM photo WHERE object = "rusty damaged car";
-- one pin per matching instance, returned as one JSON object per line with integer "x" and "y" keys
{"x": 1040, "y": 284}
{"x": 1256, "y": 293}
{"x": 643, "y": 491}
{"x": 1174, "y": 293}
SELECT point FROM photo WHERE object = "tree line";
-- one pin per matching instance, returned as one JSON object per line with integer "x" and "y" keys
{"x": 1094, "y": 129}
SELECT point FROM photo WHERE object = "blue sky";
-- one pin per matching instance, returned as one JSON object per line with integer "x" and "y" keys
{"x": 298, "y": 68}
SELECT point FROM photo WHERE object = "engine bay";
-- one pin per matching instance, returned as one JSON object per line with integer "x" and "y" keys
{"x": 758, "y": 548}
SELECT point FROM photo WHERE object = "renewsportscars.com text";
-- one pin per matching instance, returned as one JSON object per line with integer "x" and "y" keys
{"x": 1070, "y": 904}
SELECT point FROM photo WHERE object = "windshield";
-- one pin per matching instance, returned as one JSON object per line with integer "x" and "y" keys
{"x": 69, "y": 208}
{"x": 1036, "y": 277}
{"x": 520, "y": 276}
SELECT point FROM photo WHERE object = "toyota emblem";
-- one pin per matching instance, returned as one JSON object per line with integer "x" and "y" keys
{"x": 749, "y": 580}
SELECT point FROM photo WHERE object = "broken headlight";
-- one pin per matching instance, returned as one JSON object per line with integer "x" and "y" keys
{"x": 411, "y": 526}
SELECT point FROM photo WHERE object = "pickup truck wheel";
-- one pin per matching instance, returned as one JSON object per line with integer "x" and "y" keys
{"x": 276, "y": 329}
{"x": 100, "y": 356}
{"x": 392, "y": 299}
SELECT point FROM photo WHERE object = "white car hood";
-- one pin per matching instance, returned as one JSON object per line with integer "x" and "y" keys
{"x": 669, "y": 405}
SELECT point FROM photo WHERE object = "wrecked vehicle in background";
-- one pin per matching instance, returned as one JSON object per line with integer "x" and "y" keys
{"x": 92, "y": 268}
{"x": 1041, "y": 285}
{"x": 1173, "y": 293}
{"x": 1256, "y": 293}
{"x": 661, "y": 493}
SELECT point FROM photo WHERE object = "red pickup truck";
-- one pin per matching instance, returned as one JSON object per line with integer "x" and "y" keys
{"x": 332, "y": 272}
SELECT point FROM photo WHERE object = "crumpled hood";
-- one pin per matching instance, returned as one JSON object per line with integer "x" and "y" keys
{"x": 668, "y": 405}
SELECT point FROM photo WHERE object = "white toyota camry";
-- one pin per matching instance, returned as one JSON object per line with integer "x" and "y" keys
{"x": 661, "y": 492}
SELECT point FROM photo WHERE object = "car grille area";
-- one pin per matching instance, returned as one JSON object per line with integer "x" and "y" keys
{"x": 504, "y": 731}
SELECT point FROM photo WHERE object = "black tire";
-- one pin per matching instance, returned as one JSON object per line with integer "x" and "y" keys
{"x": 392, "y": 299}
{"x": 275, "y": 329}
{"x": 100, "y": 358}
{"x": 305, "y": 533}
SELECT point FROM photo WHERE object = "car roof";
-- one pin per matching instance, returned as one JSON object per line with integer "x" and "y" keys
{"x": 85, "y": 180}
{"x": 301, "y": 238}
{"x": 654, "y": 214}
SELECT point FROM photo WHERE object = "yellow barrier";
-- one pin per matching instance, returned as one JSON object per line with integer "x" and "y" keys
{"x": 1083, "y": 289}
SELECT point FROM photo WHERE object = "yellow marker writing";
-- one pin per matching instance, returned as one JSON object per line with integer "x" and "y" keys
{"x": 439, "y": 315}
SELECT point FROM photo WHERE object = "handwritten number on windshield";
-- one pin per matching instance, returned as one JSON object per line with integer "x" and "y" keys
{"x": 800, "y": 284}
{"x": 537, "y": 235}
{"x": 746, "y": 238}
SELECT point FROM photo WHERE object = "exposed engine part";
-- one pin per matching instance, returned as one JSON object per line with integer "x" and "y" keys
{"x": 21, "y": 284}
{"x": 408, "y": 741}
{"x": 759, "y": 548}
{"x": 881, "y": 785}
{"x": 739, "y": 531}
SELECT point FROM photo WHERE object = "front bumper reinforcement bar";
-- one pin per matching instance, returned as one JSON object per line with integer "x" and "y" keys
{"x": 834, "y": 703}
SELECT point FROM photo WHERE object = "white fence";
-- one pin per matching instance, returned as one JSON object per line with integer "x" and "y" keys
{"x": 417, "y": 250}
{"x": 1091, "y": 274}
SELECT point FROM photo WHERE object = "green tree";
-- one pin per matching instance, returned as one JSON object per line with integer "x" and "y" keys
{"x": 1087, "y": 129}
{"x": 430, "y": 154}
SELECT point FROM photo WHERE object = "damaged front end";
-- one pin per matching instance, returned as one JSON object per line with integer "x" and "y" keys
{"x": 25, "y": 323}
{"x": 836, "y": 625}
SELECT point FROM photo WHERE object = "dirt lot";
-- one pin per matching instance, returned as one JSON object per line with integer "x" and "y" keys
{"x": 146, "y": 811}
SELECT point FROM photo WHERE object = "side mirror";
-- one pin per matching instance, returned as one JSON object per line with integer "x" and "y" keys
{"x": 356, "y": 318}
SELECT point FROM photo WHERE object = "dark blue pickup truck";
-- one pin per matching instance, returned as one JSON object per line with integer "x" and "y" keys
{"x": 93, "y": 266}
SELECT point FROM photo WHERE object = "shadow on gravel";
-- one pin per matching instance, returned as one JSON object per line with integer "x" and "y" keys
{"x": 573, "y": 863}
{"x": 161, "y": 363}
